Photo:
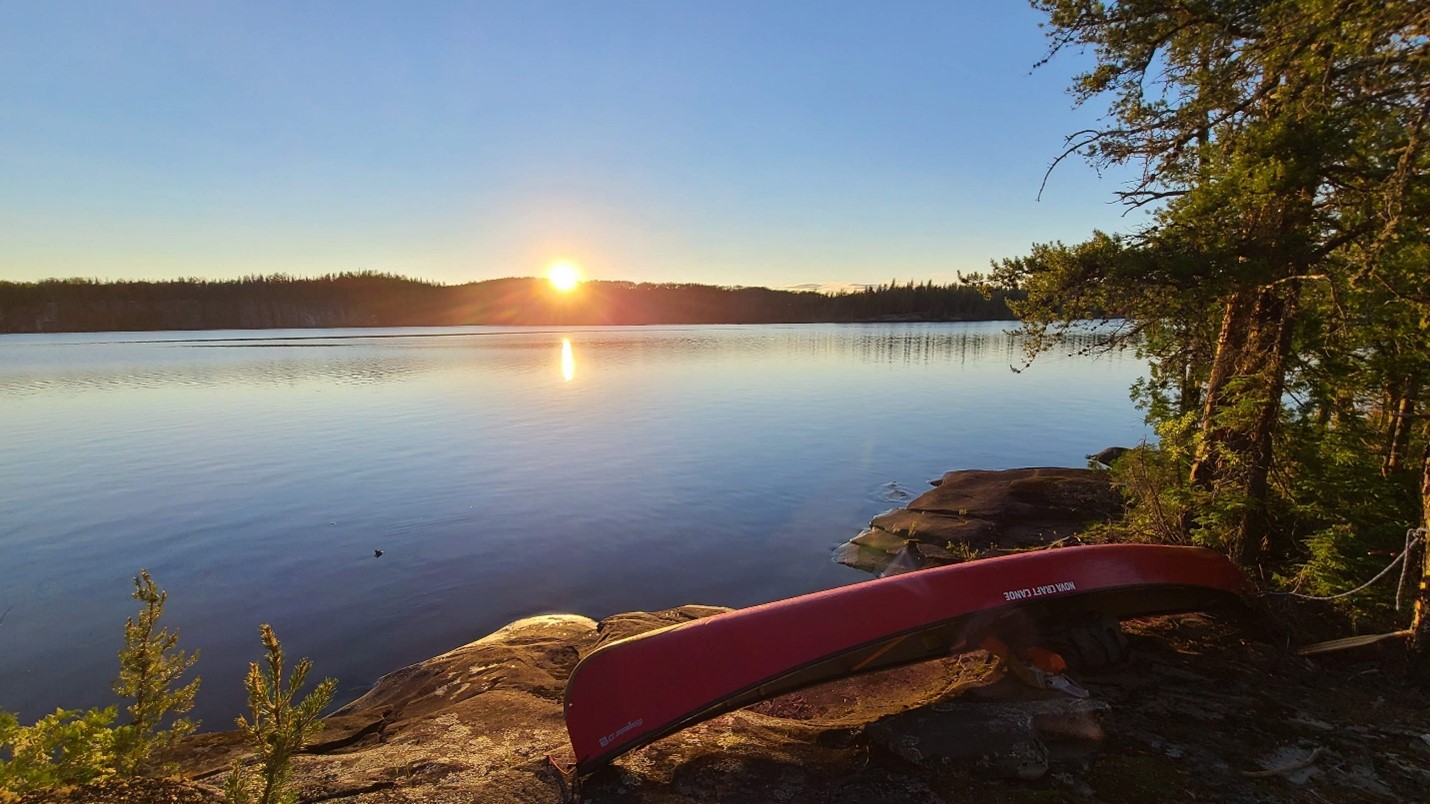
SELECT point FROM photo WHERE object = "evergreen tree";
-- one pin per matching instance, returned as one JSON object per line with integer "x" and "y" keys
{"x": 150, "y": 667}
{"x": 279, "y": 727}
{"x": 1275, "y": 138}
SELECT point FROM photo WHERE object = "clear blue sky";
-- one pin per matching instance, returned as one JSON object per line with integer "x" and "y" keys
{"x": 751, "y": 143}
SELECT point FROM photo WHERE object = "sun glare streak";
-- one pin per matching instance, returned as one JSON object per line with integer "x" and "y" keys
{"x": 568, "y": 361}
{"x": 563, "y": 275}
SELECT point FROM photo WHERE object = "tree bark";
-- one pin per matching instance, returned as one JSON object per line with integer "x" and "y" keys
{"x": 1420, "y": 625}
{"x": 1235, "y": 452}
{"x": 1398, "y": 440}
{"x": 1189, "y": 386}
{"x": 1271, "y": 347}
{"x": 1236, "y": 318}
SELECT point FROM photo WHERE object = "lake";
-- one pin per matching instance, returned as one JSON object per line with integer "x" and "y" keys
{"x": 501, "y": 472}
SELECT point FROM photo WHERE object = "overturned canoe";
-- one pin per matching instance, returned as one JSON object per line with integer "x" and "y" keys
{"x": 633, "y": 691}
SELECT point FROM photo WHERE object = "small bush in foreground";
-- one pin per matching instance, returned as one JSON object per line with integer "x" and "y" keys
{"x": 279, "y": 727}
{"x": 150, "y": 666}
{"x": 62, "y": 748}
{"x": 73, "y": 747}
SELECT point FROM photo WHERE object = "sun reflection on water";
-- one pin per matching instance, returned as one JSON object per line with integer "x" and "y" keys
{"x": 568, "y": 361}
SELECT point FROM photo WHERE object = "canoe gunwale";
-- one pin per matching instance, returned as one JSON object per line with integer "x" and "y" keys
{"x": 928, "y": 640}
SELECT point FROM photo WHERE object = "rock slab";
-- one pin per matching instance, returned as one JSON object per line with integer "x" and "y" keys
{"x": 975, "y": 513}
{"x": 1200, "y": 710}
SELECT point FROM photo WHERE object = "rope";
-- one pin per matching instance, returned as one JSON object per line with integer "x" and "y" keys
{"x": 568, "y": 779}
{"x": 1412, "y": 538}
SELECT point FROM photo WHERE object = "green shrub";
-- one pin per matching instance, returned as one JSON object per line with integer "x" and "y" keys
{"x": 73, "y": 747}
{"x": 65, "y": 747}
{"x": 1156, "y": 496}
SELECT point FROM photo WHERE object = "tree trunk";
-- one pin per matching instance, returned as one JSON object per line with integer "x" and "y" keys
{"x": 1270, "y": 346}
{"x": 1234, "y": 450}
{"x": 1189, "y": 386}
{"x": 1420, "y": 625}
{"x": 1398, "y": 440}
{"x": 1230, "y": 344}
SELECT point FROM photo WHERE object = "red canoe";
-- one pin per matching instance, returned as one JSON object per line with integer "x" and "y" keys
{"x": 631, "y": 692}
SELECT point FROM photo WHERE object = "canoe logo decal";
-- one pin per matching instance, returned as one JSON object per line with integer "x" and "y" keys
{"x": 609, "y": 738}
{"x": 1039, "y": 591}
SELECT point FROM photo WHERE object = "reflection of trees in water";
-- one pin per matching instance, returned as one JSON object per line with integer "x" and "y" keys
{"x": 890, "y": 343}
{"x": 365, "y": 370}
{"x": 1003, "y": 345}
{"x": 942, "y": 347}
{"x": 387, "y": 357}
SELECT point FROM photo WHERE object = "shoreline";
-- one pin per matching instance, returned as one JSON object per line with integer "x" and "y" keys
{"x": 898, "y": 319}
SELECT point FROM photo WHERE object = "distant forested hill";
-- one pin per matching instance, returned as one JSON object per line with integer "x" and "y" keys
{"x": 382, "y": 300}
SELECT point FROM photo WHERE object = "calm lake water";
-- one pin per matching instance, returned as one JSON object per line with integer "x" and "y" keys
{"x": 502, "y": 472}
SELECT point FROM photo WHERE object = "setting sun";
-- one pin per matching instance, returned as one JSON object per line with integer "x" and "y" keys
{"x": 563, "y": 275}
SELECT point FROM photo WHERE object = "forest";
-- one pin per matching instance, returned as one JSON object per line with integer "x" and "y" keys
{"x": 1280, "y": 290}
{"x": 369, "y": 299}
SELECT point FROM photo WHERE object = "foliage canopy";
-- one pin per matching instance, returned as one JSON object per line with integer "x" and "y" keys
{"x": 1280, "y": 290}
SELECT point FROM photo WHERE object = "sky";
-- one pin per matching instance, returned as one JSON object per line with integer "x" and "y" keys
{"x": 734, "y": 143}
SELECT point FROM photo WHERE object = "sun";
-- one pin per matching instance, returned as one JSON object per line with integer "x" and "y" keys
{"x": 564, "y": 275}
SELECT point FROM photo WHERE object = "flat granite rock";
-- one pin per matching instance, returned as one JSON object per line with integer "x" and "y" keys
{"x": 478, "y": 723}
{"x": 971, "y": 513}
{"x": 1203, "y": 712}
{"x": 473, "y": 724}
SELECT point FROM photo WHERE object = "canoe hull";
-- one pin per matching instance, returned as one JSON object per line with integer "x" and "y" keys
{"x": 631, "y": 692}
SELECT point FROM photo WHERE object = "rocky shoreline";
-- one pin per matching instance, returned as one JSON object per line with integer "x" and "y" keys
{"x": 975, "y": 514}
{"x": 1207, "y": 709}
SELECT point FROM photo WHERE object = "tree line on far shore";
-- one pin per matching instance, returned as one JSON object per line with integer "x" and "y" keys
{"x": 371, "y": 299}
